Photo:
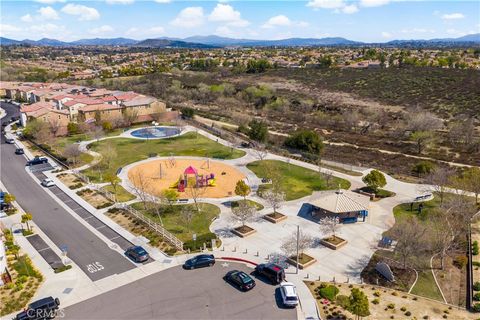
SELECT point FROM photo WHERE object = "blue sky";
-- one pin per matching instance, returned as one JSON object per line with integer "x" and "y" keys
{"x": 362, "y": 20}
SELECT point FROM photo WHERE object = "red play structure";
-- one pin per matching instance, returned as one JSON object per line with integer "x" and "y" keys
{"x": 200, "y": 179}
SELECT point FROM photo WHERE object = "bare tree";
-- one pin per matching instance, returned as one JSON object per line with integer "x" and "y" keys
{"x": 196, "y": 192}
{"x": 274, "y": 198}
{"x": 259, "y": 151}
{"x": 54, "y": 126}
{"x": 351, "y": 119}
{"x": 422, "y": 121}
{"x": 141, "y": 187}
{"x": 130, "y": 116}
{"x": 409, "y": 234}
{"x": 244, "y": 212}
{"x": 440, "y": 179}
{"x": 187, "y": 215}
{"x": 441, "y": 234}
{"x": 289, "y": 245}
{"x": 157, "y": 205}
{"x": 98, "y": 133}
{"x": 72, "y": 152}
{"x": 329, "y": 226}
{"x": 328, "y": 176}
{"x": 108, "y": 153}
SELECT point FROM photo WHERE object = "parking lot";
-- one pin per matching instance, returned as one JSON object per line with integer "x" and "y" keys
{"x": 185, "y": 294}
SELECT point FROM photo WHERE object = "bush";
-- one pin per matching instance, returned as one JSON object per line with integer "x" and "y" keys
{"x": 195, "y": 245}
{"x": 375, "y": 301}
{"x": 408, "y": 313}
{"x": 107, "y": 126}
{"x": 63, "y": 268}
{"x": 476, "y": 296}
{"x": 376, "y": 293}
{"x": 423, "y": 167}
{"x": 73, "y": 128}
{"x": 343, "y": 301}
{"x": 391, "y": 306}
{"x": 476, "y": 286}
{"x": 305, "y": 140}
{"x": 475, "y": 248}
{"x": 476, "y": 307}
{"x": 460, "y": 261}
{"x": 329, "y": 292}
{"x": 187, "y": 112}
{"x": 403, "y": 309}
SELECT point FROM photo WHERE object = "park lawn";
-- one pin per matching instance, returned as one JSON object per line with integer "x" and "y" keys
{"x": 133, "y": 150}
{"x": 403, "y": 210}
{"x": 296, "y": 181}
{"x": 121, "y": 194}
{"x": 252, "y": 203}
{"x": 173, "y": 221}
{"x": 426, "y": 286}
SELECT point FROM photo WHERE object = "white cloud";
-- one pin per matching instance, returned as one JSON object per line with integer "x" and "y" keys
{"x": 373, "y": 3}
{"x": 48, "y": 13}
{"x": 280, "y": 20}
{"x": 101, "y": 30}
{"x": 84, "y": 13}
{"x": 163, "y": 1}
{"x": 417, "y": 30}
{"x": 225, "y": 31}
{"x": 303, "y": 24}
{"x": 8, "y": 29}
{"x": 27, "y": 18}
{"x": 326, "y": 4}
{"x": 152, "y": 31}
{"x": 227, "y": 14}
{"x": 386, "y": 35}
{"x": 49, "y": 1}
{"x": 119, "y": 1}
{"x": 453, "y": 16}
{"x": 189, "y": 17}
{"x": 349, "y": 9}
{"x": 49, "y": 30}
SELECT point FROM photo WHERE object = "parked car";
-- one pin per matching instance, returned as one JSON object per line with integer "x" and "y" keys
{"x": 19, "y": 151}
{"x": 9, "y": 141}
{"x": 240, "y": 279}
{"x": 137, "y": 254}
{"x": 37, "y": 160}
{"x": 288, "y": 291}
{"x": 273, "y": 272}
{"x": 45, "y": 308}
{"x": 202, "y": 260}
{"x": 48, "y": 183}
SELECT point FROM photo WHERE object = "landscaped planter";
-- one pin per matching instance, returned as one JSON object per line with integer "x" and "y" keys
{"x": 334, "y": 243}
{"x": 275, "y": 217}
{"x": 243, "y": 231}
{"x": 304, "y": 260}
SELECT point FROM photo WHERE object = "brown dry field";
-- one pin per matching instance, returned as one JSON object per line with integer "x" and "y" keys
{"x": 225, "y": 184}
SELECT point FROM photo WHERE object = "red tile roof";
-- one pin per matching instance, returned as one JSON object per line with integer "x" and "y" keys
{"x": 100, "y": 107}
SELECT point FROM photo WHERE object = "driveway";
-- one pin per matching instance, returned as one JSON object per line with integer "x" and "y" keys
{"x": 185, "y": 294}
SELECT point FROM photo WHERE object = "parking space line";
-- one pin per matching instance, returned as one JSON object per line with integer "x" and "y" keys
{"x": 43, "y": 249}
{"x": 103, "y": 226}
{"x": 89, "y": 217}
{"x": 114, "y": 238}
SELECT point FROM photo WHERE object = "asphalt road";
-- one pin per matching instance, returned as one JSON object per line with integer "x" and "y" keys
{"x": 88, "y": 251}
{"x": 185, "y": 294}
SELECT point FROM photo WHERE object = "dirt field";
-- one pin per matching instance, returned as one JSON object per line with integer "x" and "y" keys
{"x": 224, "y": 183}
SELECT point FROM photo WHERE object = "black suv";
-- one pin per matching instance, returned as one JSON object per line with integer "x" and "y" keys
{"x": 45, "y": 308}
{"x": 19, "y": 151}
{"x": 274, "y": 273}
{"x": 37, "y": 160}
{"x": 202, "y": 260}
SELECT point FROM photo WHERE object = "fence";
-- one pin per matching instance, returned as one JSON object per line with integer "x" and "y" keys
{"x": 167, "y": 236}
{"x": 48, "y": 153}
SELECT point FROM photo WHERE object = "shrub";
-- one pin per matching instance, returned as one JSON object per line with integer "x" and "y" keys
{"x": 201, "y": 238}
{"x": 408, "y": 313}
{"x": 460, "y": 261}
{"x": 375, "y": 301}
{"x": 423, "y": 167}
{"x": 376, "y": 293}
{"x": 63, "y": 268}
{"x": 395, "y": 293}
{"x": 476, "y": 307}
{"x": 343, "y": 301}
{"x": 476, "y": 286}
{"x": 476, "y": 296}
{"x": 391, "y": 306}
{"x": 475, "y": 248}
{"x": 403, "y": 309}
{"x": 329, "y": 292}
{"x": 305, "y": 140}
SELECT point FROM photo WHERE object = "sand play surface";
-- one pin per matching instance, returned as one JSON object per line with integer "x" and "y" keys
{"x": 224, "y": 184}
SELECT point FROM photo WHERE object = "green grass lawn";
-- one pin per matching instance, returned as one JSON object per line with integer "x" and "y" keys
{"x": 174, "y": 222}
{"x": 189, "y": 144}
{"x": 403, "y": 210}
{"x": 122, "y": 194}
{"x": 426, "y": 286}
{"x": 257, "y": 205}
{"x": 296, "y": 181}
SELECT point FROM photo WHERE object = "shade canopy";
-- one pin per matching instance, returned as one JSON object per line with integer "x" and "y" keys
{"x": 190, "y": 170}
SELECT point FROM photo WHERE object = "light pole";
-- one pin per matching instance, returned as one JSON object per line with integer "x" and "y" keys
{"x": 298, "y": 244}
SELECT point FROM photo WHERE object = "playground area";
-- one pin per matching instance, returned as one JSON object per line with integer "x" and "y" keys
{"x": 212, "y": 179}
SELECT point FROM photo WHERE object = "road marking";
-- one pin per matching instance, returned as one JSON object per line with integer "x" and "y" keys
{"x": 225, "y": 265}
{"x": 43, "y": 249}
{"x": 94, "y": 267}
{"x": 69, "y": 200}
{"x": 89, "y": 217}
{"x": 114, "y": 238}
{"x": 101, "y": 227}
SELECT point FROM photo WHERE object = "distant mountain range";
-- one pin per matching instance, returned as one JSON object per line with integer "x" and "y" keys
{"x": 205, "y": 42}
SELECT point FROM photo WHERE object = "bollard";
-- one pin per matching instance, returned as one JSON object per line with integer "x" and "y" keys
{"x": 234, "y": 249}
{"x": 257, "y": 254}
{"x": 307, "y": 277}
{"x": 246, "y": 250}
{"x": 319, "y": 278}
{"x": 223, "y": 248}
{"x": 333, "y": 279}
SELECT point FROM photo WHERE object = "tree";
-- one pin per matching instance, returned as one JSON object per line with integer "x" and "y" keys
{"x": 187, "y": 112}
{"x": 422, "y": 139}
{"x": 25, "y": 218}
{"x": 327, "y": 175}
{"x": 187, "y": 215}
{"x": 170, "y": 195}
{"x": 274, "y": 198}
{"x": 418, "y": 120}
{"x": 243, "y": 213}
{"x": 305, "y": 140}
{"x": 258, "y": 130}
{"x": 141, "y": 186}
{"x": 242, "y": 189}
{"x": 375, "y": 180}
{"x": 9, "y": 198}
{"x": 72, "y": 152}
{"x": 260, "y": 152}
{"x": 130, "y": 116}
{"x": 98, "y": 133}
{"x": 358, "y": 303}
{"x": 157, "y": 205}
{"x": 470, "y": 180}
{"x": 329, "y": 225}
{"x": 409, "y": 234}
{"x": 440, "y": 179}
{"x": 109, "y": 153}
{"x": 114, "y": 182}
{"x": 441, "y": 233}
{"x": 289, "y": 245}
